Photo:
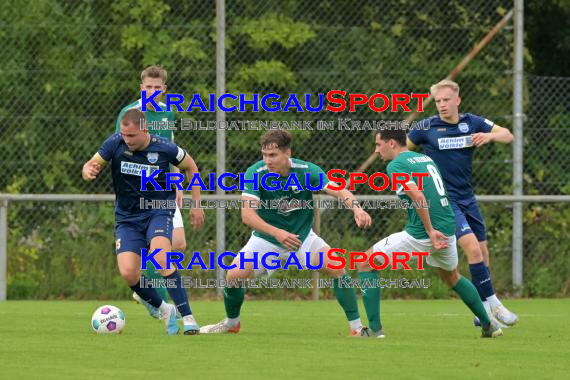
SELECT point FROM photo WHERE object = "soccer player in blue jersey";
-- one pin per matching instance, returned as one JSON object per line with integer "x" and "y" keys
{"x": 450, "y": 141}
{"x": 153, "y": 78}
{"x": 129, "y": 153}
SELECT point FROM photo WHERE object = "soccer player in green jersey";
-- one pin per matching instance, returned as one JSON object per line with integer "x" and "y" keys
{"x": 153, "y": 79}
{"x": 429, "y": 229}
{"x": 285, "y": 230}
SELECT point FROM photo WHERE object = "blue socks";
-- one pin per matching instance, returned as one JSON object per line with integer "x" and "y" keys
{"x": 178, "y": 294}
{"x": 482, "y": 280}
{"x": 150, "y": 295}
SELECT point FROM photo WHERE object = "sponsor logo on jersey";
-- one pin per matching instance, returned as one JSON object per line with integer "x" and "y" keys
{"x": 152, "y": 157}
{"x": 133, "y": 168}
{"x": 455, "y": 142}
{"x": 463, "y": 127}
{"x": 180, "y": 154}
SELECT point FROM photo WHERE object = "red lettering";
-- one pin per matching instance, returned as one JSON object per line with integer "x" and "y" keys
{"x": 396, "y": 181}
{"x": 332, "y": 257}
{"x": 342, "y": 181}
{"x": 403, "y": 261}
{"x": 353, "y": 102}
{"x": 384, "y": 178}
{"x": 420, "y": 98}
{"x": 420, "y": 256}
{"x": 384, "y": 106}
{"x": 403, "y": 103}
{"x": 340, "y": 101}
{"x": 353, "y": 179}
{"x": 420, "y": 179}
{"x": 354, "y": 258}
{"x": 373, "y": 264}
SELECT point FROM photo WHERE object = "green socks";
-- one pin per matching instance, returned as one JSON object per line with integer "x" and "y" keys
{"x": 233, "y": 299}
{"x": 346, "y": 296}
{"x": 371, "y": 294}
{"x": 468, "y": 293}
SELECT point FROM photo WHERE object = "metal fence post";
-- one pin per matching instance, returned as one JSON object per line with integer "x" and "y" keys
{"x": 3, "y": 249}
{"x": 220, "y": 133}
{"x": 518, "y": 146}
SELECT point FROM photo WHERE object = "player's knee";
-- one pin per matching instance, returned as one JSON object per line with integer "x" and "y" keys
{"x": 130, "y": 275}
{"x": 179, "y": 245}
{"x": 472, "y": 249}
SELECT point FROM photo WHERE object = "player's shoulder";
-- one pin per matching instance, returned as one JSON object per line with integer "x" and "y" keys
{"x": 300, "y": 165}
{"x": 161, "y": 142}
{"x": 258, "y": 167}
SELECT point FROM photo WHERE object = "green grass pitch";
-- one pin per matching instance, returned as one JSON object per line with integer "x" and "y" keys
{"x": 284, "y": 339}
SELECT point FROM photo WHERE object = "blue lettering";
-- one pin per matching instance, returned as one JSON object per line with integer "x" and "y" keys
{"x": 176, "y": 258}
{"x": 196, "y": 260}
{"x": 276, "y": 262}
{"x": 308, "y": 261}
{"x": 150, "y": 100}
{"x": 292, "y": 178}
{"x": 145, "y": 179}
{"x": 221, "y": 181}
{"x": 196, "y": 102}
{"x": 174, "y": 100}
{"x": 174, "y": 179}
{"x": 292, "y": 257}
{"x": 145, "y": 257}
{"x": 266, "y": 107}
{"x": 308, "y": 182}
{"x": 308, "y": 103}
{"x": 274, "y": 183}
{"x": 293, "y": 99}
{"x": 221, "y": 103}
{"x": 243, "y": 260}
{"x": 243, "y": 181}
{"x": 221, "y": 259}
{"x": 196, "y": 178}
{"x": 243, "y": 102}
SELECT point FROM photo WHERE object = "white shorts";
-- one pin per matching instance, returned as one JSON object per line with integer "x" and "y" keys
{"x": 311, "y": 244}
{"x": 404, "y": 242}
{"x": 177, "y": 221}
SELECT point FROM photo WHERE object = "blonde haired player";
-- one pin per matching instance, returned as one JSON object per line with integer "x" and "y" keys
{"x": 450, "y": 141}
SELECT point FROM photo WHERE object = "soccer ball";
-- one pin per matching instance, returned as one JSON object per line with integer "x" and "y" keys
{"x": 108, "y": 319}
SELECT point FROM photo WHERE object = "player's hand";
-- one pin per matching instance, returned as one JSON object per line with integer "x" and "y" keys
{"x": 362, "y": 219}
{"x": 197, "y": 218}
{"x": 288, "y": 240}
{"x": 179, "y": 194}
{"x": 438, "y": 239}
{"x": 91, "y": 170}
{"x": 481, "y": 138}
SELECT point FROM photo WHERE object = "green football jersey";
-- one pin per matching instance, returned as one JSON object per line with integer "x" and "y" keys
{"x": 151, "y": 116}
{"x": 289, "y": 208}
{"x": 440, "y": 211}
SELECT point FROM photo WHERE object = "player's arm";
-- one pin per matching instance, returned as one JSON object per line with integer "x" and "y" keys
{"x": 438, "y": 239}
{"x": 363, "y": 220}
{"x": 93, "y": 167}
{"x": 250, "y": 218}
{"x": 188, "y": 165}
{"x": 497, "y": 134}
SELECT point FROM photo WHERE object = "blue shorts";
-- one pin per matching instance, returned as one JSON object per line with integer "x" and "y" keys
{"x": 468, "y": 219}
{"x": 135, "y": 232}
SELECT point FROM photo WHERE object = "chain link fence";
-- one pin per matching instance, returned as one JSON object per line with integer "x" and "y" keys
{"x": 68, "y": 69}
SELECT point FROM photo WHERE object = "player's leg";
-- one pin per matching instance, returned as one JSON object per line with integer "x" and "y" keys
{"x": 130, "y": 239}
{"x": 477, "y": 224}
{"x": 342, "y": 282}
{"x": 371, "y": 295}
{"x": 446, "y": 261}
{"x": 159, "y": 235}
{"x": 234, "y": 293}
{"x": 468, "y": 242}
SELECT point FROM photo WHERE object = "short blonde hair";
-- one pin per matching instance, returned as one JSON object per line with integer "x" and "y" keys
{"x": 154, "y": 72}
{"x": 444, "y": 83}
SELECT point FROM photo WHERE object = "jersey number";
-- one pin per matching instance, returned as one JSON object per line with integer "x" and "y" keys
{"x": 438, "y": 183}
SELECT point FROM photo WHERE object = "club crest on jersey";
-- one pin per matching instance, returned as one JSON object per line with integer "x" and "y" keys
{"x": 295, "y": 189}
{"x": 463, "y": 127}
{"x": 152, "y": 157}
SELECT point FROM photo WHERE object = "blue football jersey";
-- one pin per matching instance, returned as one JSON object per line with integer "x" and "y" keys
{"x": 451, "y": 148}
{"x": 127, "y": 167}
